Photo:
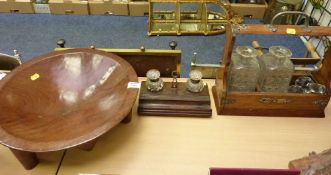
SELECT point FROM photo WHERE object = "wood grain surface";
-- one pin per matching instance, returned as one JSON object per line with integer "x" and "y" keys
{"x": 190, "y": 146}
{"x": 273, "y": 103}
{"x": 284, "y": 30}
{"x": 174, "y": 101}
{"x": 64, "y": 99}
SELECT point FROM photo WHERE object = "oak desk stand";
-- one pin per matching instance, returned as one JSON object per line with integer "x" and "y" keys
{"x": 174, "y": 101}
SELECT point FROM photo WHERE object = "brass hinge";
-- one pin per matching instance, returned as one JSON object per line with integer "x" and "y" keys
{"x": 321, "y": 103}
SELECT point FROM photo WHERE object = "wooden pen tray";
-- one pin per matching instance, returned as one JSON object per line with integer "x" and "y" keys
{"x": 174, "y": 101}
{"x": 269, "y": 103}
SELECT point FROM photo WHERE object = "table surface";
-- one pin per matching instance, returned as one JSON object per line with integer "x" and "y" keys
{"x": 189, "y": 146}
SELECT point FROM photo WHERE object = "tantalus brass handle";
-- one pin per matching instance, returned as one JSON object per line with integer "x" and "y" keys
{"x": 273, "y": 27}
{"x": 267, "y": 100}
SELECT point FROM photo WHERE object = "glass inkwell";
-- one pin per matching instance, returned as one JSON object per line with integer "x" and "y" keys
{"x": 154, "y": 83}
{"x": 194, "y": 83}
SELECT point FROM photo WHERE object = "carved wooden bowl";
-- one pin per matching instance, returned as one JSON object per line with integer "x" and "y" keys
{"x": 64, "y": 99}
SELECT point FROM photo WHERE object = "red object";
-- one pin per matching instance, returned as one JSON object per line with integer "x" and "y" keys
{"x": 251, "y": 171}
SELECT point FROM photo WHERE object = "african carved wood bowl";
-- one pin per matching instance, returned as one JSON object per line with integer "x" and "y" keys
{"x": 64, "y": 99}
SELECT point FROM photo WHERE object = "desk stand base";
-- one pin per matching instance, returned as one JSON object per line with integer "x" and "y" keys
{"x": 174, "y": 102}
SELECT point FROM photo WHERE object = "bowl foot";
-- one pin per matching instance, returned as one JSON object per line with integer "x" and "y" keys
{"x": 88, "y": 146}
{"x": 128, "y": 118}
{"x": 29, "y": 160}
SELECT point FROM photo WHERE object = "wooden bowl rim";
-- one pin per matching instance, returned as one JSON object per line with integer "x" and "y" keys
{"x": 13, "y": 142}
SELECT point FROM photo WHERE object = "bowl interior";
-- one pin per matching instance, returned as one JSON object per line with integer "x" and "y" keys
{"x": 64, "y": 99}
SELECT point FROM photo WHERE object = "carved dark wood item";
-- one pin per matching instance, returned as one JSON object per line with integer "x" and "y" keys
{"x": 174, "y": 101}
{"x": 62, "y": 100}
{"x": 271, "y": 104}
{"x": 314, "y": 164}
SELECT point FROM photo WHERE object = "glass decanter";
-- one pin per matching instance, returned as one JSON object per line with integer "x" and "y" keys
{"x": 244, "y": 70}
{"x": 276, "y": 70}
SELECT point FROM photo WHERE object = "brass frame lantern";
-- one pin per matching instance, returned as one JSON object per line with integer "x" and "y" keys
{"x": 189, "y": 17}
